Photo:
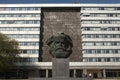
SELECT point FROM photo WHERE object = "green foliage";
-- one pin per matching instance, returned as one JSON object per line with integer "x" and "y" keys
{"x": 8, "y": 52}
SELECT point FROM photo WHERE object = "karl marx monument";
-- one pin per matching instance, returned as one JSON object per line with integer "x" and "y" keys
{"x": 60, "y": 48}
{"x": 60, "y": 45}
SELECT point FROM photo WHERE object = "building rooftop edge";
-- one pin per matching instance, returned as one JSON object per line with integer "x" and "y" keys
{"x": 60, "y": 5}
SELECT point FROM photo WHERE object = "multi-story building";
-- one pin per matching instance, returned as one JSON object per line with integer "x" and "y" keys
{"x": 94, "y": 29}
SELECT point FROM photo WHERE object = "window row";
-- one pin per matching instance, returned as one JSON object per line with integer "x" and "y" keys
{"x": 100, "y": 14}
{"x": 101, "y": 51}
{"x": 19, "y": 22}
{"x": 101, "y": 8}
{"x": 102, "y": 59}
{"x": 14, "y": 74}
{"x": 14, "y": 36}
{"x": 101, "y": 36}
{"x": 27, "y": 59}
{"x": 111, "y": 74}
{"x": 19, "y": 29}
{"x": 101, "y": 44}
{"x": 28, "y": 43}
{"x": 29, "y": 51}
{"x": 101, "y": 22}
{"x": 19, "y": 15}
{"x": 100, "y": 28}
{"x": 19, "y": 8}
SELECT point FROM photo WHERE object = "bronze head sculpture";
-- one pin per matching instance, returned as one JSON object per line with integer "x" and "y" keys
{"x": 60, "y": 45}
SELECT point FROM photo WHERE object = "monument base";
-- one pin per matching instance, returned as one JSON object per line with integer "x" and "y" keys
{"x": 60, "y": 68}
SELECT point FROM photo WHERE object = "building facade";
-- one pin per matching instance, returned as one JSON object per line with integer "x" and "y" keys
{"x": 94, "y": 29}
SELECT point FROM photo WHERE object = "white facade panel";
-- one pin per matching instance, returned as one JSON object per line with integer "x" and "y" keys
{"x": 101, "y": 39}
{"x": 29, "y": 55}
{"x": 22, "y": 12}
{"x": 28, "y": 40}
{"x": 101, "y": 55}
{"x": 78, "y": 65}
{"x": 100, "y": 32}
{"x": 100, "y": 25}
{"x": 20, "y": 32}
{"x": 29, "y": 47}
{"x": 99, "y": 11}
{"x": 101, "y": 47}
{"x": 20, "y": 18}
{"x": 100, "y": 18}
{"x": 60, "y": 5}
{"x": 20, "y": 25}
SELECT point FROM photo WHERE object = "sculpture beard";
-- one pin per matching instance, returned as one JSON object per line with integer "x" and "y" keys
{"x": 60, "y": 45}
{"x": 60, "y": 51}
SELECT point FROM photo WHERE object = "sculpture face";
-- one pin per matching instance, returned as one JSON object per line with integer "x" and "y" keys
{"x": 60, "y": 46}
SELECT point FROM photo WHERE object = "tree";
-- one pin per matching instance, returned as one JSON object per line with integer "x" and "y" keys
{"x": 8, "y": 52}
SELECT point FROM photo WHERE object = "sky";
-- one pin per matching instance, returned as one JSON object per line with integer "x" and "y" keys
{"x": 57, "y": 1}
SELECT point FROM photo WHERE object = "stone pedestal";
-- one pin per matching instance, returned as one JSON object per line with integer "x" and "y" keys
{"x": 60, "y": 69}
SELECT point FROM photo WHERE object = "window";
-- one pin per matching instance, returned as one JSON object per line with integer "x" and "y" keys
{"x": 101, "y": 35}
{"x": 20, "y": 22}
{"x": 29, "y": 51}
{"x": 108, "y": 59}
{"x": 101, "y": 22}
{"x": 31, "y": 59}
{"x": 15, "y": 36}
{"x": 112, "y": 60}
{"x": 84, "y": 60}
{"x": 117, "y": 59}
{"x": 100, "y": 28}
{"x": 101, "y": 51}
{"x": 118, "y": 8}
{"x": 24, "y": 51}
{"x": 99, "y": 59}
{"x": 28, "y": 43}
